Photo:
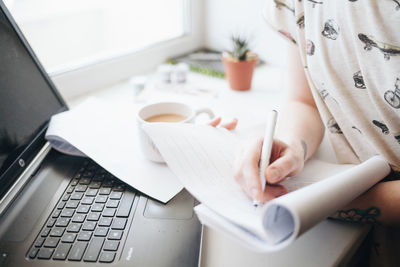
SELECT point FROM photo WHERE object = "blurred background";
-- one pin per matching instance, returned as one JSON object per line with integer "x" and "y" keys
{"x": 121, "y": 38}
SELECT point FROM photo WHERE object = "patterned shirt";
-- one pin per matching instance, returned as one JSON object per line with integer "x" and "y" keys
{"x": 351, "y": 55}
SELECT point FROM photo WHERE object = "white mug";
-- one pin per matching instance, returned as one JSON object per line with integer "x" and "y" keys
{"x": 148, "y": 148}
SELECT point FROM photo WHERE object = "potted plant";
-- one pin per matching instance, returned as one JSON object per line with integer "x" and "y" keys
{"x": 239, "y": 64}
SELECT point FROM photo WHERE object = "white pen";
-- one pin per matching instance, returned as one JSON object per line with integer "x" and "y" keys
{"x": 266, "y": 148}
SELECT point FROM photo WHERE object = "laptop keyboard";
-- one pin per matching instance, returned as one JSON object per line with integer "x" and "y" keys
{"x": 89, "y": 221}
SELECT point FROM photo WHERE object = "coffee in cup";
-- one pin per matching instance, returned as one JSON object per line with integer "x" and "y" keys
{"x": 170, "y": 112}
{"x": 168, "y": 117}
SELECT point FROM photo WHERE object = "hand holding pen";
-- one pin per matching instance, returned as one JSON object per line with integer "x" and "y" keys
{"x": 285, "y": 161}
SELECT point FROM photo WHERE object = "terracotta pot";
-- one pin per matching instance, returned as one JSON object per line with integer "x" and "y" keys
{"x": 239, "y": 73}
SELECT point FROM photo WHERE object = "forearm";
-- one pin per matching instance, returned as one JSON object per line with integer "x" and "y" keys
{"x": 379, "y": 204}
{"x": 300, "y": 123}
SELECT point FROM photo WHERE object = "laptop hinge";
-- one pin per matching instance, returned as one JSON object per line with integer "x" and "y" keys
{"x": 24, "y": 178}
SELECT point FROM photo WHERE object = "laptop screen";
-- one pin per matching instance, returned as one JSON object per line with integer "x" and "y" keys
{"x": 27, "y": 101}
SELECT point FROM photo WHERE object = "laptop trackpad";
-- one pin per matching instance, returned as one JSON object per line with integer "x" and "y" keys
{"x": 179, "y": 208}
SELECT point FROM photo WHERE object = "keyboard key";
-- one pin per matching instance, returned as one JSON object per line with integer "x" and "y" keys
{"x": 70, "y": 189}
{"x": 116, "y": 195}
{"x": 105, "y": 221}
{"x": 108, "y": 183}
{"x": 77, "y": 196}
{"x": 61, "y": 205}
{"x": 89, "y": 226}
{"x": 107, "y": 257}
{"x": 111, "y": 245}
{"x": 51, "y": 222}
{"x": 76, "y": 180}
{"x": 101, "y": 231}
{"x": 81, "y": 188}
{"x": 99, "y": 177}
{"x": 84, "y": 236}
{"x": 57, "y": 232}
{"x": 87, "y": 200}
{"x": 39, "y": 242}
{"x": 77, "y": 251}
{"x": 45, "y": 253}
{"x": 33, "y": 253}
{"x": 104, "y": 191}
{"x": 92, "y": 192}
{"x": 66, "y": 197}
{"x": 93, "y": 251}
{"x": 79, "y": 218}
{"x": 45, "y": 232}
{"x": 126, "y": 204}
{"x": 72, "y": 204}
{"x": 119, "y": 223}
{"x": 62, "y": 222}
{"x": 87, "y": 175}
{"x": 98, "y": 207}
{"x": 68, "y": 238}
{"x": 118, "y": 187}
{"x": 93, "y": 216}
{"x": 101, "y": 199}
{"x": 74, "y": 227}
{"x": 62, "y": 252}
{"x": 85, "y": 181}
{"x": 109, "y": 212}
{"x": 67, "y": 213}
{"x": 83, "y": 209}
{"x": 112, "y": 204}
{"x": 95, "y": 184}
{"x": 56, "y": 214}
{"x": 51, "y": 242}
{"x": 115, "y": 235}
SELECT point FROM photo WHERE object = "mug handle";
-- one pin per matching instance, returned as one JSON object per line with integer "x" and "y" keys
{"x": 208, "y": 111}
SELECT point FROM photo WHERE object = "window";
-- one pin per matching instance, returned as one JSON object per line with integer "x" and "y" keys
{"x": 67, "y": 34}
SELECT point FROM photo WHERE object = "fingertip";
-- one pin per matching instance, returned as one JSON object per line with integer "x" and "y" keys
{"x": 215, "y": 122}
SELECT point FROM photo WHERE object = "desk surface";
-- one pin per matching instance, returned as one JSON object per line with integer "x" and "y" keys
{"x": 328, "y": 244}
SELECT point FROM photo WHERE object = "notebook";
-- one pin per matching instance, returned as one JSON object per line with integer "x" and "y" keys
{"x": 203, "y": 158}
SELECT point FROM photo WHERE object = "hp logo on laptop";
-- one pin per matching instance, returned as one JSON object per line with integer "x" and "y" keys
{"x": 21, "y": 163}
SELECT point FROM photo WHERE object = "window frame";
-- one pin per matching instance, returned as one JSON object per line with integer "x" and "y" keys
{"x": 81, "y": 80}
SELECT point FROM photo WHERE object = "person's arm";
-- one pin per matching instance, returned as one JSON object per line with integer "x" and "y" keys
{"x": 299, "y": 133}
{"x": 300, "y": 125}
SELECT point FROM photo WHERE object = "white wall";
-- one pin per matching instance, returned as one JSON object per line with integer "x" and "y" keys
{"x": 223, "y": 18}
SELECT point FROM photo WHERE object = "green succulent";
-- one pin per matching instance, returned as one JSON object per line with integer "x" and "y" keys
{"x": 240, "y": 48}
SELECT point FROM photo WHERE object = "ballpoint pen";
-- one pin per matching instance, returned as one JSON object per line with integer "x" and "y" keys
{"x": 266, "y": 149}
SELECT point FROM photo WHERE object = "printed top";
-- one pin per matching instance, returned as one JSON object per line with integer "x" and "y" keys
{"x": 351, "y": 55}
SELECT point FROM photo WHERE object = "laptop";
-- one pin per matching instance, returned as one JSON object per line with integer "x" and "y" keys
{"x": 59, "y": 210}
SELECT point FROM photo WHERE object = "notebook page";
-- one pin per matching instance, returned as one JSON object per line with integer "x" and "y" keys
{"x": 202, "y": 158}
{"x": 315, "y": 170}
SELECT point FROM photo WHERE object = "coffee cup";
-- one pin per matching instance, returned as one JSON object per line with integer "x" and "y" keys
{"x": 169, "y": 112}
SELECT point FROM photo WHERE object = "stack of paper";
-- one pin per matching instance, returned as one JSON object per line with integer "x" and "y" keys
{"x": 108, "y": 134}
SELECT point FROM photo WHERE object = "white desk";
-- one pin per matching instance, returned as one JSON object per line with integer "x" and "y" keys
{"x": 328, "y": 244}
